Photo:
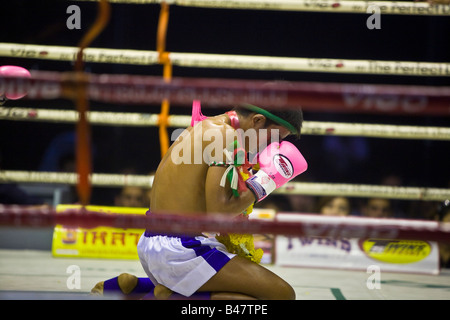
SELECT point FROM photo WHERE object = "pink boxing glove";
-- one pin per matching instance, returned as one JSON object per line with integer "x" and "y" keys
{"x": 279, "y": 163}
{"x": 15, "y": 72}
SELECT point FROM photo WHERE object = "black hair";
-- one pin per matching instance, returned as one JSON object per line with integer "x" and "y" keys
{"x": 293, "y": 117}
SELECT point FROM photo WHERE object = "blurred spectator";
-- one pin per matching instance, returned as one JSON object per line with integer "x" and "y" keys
{"x": 420, "y": 209}
{"x": 131, "y": 196}
{"x": 398, "y": 207}
{"x": 377, "y": 208}
{"x": 334, "y": 206}
{"x": 279, "y": 203}
{"x": 300, "y": 203}
{"x": 60, "y": 154}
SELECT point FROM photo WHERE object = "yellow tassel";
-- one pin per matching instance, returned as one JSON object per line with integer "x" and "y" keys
{"x": 241, "y": 245}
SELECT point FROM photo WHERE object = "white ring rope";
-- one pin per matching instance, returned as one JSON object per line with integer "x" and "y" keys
{"x": 346, "y": 6}
{"x": 362, "y": 190}
{"x": 201, "y": 60}
{"x": 303, "y": 188}
{"x": 97, "y": 179}
{"x": 180, "y": 121}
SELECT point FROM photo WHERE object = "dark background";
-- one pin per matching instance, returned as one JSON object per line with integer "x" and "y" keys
{"x": 289, "y": 34}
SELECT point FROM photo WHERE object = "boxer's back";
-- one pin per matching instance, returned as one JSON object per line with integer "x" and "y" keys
{"x": 179, "y": 184}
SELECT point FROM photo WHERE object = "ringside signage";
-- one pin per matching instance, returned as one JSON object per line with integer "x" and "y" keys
{"x": 392, "y": 255}
{"x": 395, "y": 251}
{"x": 99, "y": 242}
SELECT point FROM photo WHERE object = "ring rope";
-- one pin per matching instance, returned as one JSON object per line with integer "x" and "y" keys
{"x": 336, "y": 6}
{"x": 328, "y": 97}
{"x": 306, "y": 225}
{"x": 222, "y": 61}
{"x": 163, "y": 58}
{"x": 97, "y": 179}
{"x": 180, "y": 121}
{"x": 303, "y": 188}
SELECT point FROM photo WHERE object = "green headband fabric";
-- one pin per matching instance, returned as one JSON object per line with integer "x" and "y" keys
{"x": 272, "y": 117}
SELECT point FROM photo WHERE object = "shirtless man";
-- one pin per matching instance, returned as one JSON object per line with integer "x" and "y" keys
{"x": 188, "y": 183}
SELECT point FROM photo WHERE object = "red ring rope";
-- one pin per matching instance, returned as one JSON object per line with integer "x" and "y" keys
{"x": 311, "y": 226}
{"x": 366, "y": 98}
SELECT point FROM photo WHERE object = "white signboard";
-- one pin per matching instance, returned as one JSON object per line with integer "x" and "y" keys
{"x": 412, "y": 256}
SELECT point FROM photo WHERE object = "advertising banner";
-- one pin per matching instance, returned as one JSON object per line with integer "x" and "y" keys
{"x": 391, "y": 255}
{"x": 99, "y": 242}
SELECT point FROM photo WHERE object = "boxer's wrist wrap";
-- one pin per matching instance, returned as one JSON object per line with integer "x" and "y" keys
{"x": 261, "y": 185}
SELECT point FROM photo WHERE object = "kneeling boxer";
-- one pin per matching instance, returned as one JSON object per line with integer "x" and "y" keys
{"x": 223, "y": 266}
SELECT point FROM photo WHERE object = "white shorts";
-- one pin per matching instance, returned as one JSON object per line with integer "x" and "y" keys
{"x": 181, "y": 263}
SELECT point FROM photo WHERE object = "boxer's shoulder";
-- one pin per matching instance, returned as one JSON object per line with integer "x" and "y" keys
{"x": 216, "y": 123}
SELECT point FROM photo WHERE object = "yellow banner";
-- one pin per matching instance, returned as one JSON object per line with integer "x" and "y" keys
{"x": 99, "y": 242}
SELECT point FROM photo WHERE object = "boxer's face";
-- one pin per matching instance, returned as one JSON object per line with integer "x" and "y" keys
{"x": 275, "y": 133}
{"x": 271, "y": 133}
{"x": 277, "y": 130}
{"x": 265, "y": 134}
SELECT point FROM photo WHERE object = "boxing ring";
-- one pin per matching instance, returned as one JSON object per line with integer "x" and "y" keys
{"x": 47, "y": 278}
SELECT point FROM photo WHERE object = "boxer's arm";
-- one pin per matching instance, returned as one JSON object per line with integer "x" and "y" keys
{"x": 221, "y": 199}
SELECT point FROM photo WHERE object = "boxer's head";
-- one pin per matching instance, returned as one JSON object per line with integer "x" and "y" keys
{"x": 269, "y": 126}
